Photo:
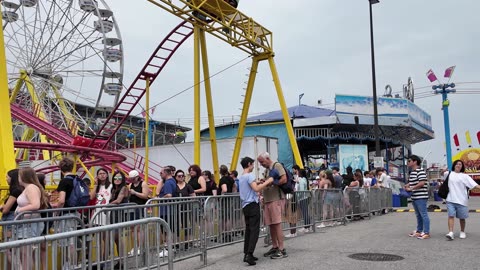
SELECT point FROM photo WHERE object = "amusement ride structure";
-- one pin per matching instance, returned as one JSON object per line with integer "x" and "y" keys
{"x": 59, "y": 52}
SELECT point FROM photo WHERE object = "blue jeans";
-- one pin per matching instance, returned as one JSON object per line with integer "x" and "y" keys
{"x": 423, "y": 221}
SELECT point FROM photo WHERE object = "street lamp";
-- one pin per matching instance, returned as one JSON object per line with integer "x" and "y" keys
{"x": 374, "y": 83}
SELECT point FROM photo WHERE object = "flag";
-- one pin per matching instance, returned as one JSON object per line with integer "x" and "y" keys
{"x": 431, "y": 76}
{"x": 449, "y": 72}
{"x": 455, "y": 140}
{"x": 153, "y": 109}
{"x": 144, "y": 114}
{"x": 468, "y": 138}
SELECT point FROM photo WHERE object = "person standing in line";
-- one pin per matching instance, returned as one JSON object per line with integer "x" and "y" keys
{"x": 139, "y": 195}
{"x": 419, "y": 188}
{"x": 197, "y": 181}
{"x": 234, "y": 175}
{"x": 101, "y": 192}
{"x": 457, "y": 199}
{"x": 65, "y": 188}
{"x": 250, "y": 207}
{"x": 169, "y": 213}
{"x": 274, "y": 204}
{"x": 33, "y": 198}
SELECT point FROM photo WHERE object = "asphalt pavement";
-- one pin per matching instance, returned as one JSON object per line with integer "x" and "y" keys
{"x": 330, "y": 248}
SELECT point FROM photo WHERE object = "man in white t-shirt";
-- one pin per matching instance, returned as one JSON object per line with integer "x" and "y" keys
{"x": 457, "y": 199}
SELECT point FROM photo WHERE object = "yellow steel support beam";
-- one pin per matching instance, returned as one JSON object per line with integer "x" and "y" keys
{"x": 243, "y": 32}
{"x": 16, "y": 90}
{"x": 286, "y": 116}
{"x": 70, "y": 120}
{"x": 208, "y": 98}
{"x": 196, "y": 95}
{"x": 7, "y": 158}
{"x": 147, "y": 128}
{"x": 37, "y": 108}
{"x": 243, "y": 118}
{"x": 87, "y": 171}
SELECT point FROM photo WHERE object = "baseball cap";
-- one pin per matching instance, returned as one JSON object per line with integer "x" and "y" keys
{"x": 133, "y": 174}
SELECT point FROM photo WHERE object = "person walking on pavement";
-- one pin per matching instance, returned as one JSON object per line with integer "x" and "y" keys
{"x": 457, "y": 199}
{"x": 417, "y": 184}
{"x": 250, "y": 207}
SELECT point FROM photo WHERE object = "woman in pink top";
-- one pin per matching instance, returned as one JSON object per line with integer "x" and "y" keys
{"x": 33, "y": 198}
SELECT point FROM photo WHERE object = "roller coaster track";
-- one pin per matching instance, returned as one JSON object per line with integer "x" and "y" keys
{"x": 51, "y": 131}
{"x": 155, "y": 64}
{"x": 102, "y": 157}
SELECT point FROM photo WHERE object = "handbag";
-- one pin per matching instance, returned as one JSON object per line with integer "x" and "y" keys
{"x": 404, "y": 193}
{"x": 443, "y": 190}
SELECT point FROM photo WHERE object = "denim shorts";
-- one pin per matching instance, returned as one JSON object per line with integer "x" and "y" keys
{"x": 457, "y": 210}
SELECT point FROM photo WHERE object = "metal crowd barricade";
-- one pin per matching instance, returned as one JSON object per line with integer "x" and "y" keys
{"x": 224, "y": 221}
{"x": 32, "y": 248}
{"x": 299, "y": 211}
{"x": 16, "y": 259}
{"x": 185, "y": 218}
{"x": 374, "y": 200}
{"x": 329, "y": 207}
{"x": 357, "y": 202}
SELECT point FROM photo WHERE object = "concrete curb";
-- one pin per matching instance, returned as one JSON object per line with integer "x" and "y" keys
{"x": 435, "y": 210}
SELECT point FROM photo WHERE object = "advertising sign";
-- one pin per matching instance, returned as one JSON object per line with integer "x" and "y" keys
{"x": 353, "y": 155}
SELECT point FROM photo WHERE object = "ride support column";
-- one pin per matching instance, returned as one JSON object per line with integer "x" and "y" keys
{"x": 7, "y": 156}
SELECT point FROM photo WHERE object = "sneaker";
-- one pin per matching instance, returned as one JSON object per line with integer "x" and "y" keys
{"x": 270, "y": 252}
{"x": 163, "y": 253}
{"x": 302, "y": 230}
{"x": 279, "y": 254}
{"x": 132, "y": 252}
{"x": 415, "y": 234}
{"x": 449, "y": 236}
{"x": 424, "y": 236}
{"x": 463, "y": 235}
{"x": 291, "y": 235}
{"x": 322, "y": 225}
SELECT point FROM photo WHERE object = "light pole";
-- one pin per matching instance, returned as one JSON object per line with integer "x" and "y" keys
{"x": 300, "y": 99}
{"x": 374, "y": 83}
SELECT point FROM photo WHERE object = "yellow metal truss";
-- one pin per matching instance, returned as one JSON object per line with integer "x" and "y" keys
{"x": 227, "y": 23}
{"x": 7, "y": 158}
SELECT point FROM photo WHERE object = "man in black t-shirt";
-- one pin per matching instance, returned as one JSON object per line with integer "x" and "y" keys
{"x": 226, "y": 185}
{"x": 64, "y": 189}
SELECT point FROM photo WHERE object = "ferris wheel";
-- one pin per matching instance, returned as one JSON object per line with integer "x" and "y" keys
{"x": 61, "y": 53}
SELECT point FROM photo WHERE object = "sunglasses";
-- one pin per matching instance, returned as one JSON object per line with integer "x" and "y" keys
{"x": 117, "y": 178}
{"x": 180, "y": 175}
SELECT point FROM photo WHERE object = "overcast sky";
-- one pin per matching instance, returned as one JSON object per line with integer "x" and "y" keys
{"x": 322, "y": 48}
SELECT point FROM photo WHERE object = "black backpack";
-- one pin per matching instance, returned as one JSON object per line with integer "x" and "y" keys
{"x": 288, "y": 187}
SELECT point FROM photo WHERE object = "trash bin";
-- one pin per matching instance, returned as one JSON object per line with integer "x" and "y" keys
{"x": 396, "y": 200}
{"x": 403, "y": 201}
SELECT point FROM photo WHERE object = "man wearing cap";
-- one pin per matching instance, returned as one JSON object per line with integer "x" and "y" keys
{"x": 138, "y": 195}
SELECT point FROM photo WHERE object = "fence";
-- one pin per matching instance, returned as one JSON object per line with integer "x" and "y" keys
{"x": 48, "y": 252}
{"x": 194, "y": 225}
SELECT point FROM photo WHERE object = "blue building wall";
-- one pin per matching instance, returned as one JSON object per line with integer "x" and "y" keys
{"x": 276, "y": 130}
